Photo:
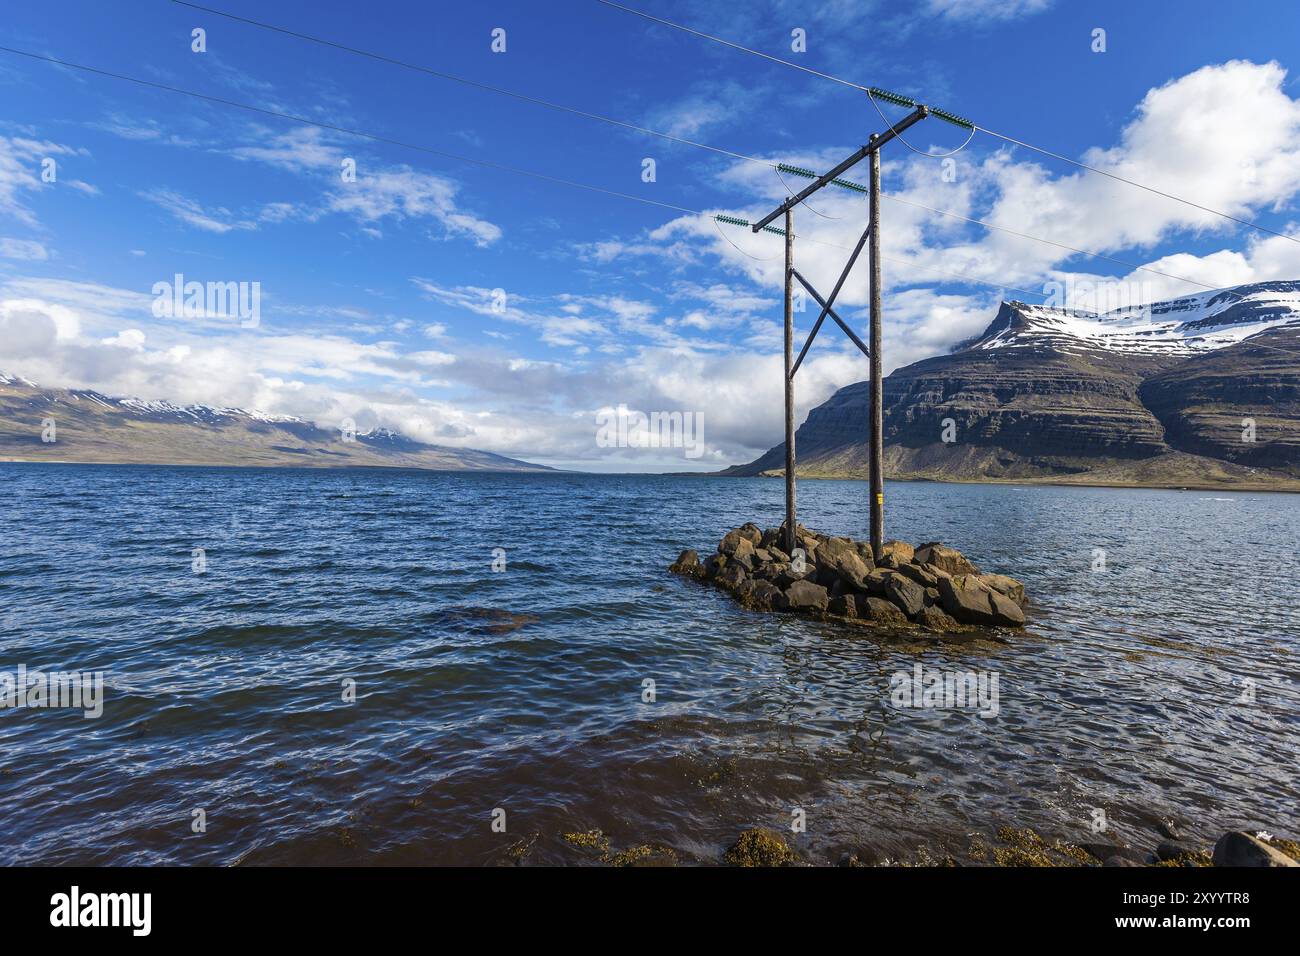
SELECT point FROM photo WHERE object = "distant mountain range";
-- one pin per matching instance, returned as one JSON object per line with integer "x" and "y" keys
{"x": 1165, "y": 394}
{"x": 91, "y": 427}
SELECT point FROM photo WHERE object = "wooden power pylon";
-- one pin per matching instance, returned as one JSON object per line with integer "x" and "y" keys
{"x": 871, "y": 238}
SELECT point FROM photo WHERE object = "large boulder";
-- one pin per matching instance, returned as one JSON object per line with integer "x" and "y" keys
{"x": 830, "y": 549}
{"x": 906, "y": 593}
{"x": 971, "y": 601}
{"x": 764, "y": 596}
{"x": 901, "y": 550}
{"x": 876, "y": 581}
{"x": 688, "y": 564}
{"x": 1005, "y": 585}
{"x": 1005, "y": 611}
{"x": 731, "y": 577}
{"x": 845, "y": 605}
{"x": 945, "y": 558}
{"x": 1242, "y": 849}
{"x": 748, "y": 533}
{"x": 806, "y": 596}
{"x": 923, "y": 574}
{"x": 745, "y": 554}
{"x": 853, "y": 570}
{"x": 714, "y": 564}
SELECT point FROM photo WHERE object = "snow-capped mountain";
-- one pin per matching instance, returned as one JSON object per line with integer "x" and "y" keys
{"x": 1187, "y": 325}
{"x": 1160, "y": 394}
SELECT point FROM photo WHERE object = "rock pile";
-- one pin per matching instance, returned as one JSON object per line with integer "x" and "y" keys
{"x": 931, "y": 585}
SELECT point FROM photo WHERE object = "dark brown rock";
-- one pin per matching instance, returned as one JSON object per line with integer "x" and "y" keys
{"x": 921, "y": 574}
{"x": 744, "y": 554}
{"x": 731, "y": 576}
{"x": 688, "y": 564}
{"x": 748, "y": 533}
{"x": 970, "y": 601}
{"x": 1005, "y": 585}
{"x": 933, "y": 617}
{"x": 876, "y": 581}
{"x": 1242, "y": 849}
{"x": 845, "y": 605}
{"x": 806, "y": 596}
{"x": 883, "y": 612}
{"x": 906, "y": 593}
{"x": 765, "y": 596}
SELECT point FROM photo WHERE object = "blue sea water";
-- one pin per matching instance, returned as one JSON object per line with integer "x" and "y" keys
{"x": 1161, "y": 688}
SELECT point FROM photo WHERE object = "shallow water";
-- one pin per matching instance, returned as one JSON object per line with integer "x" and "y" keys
{"x": 521, "y": 690}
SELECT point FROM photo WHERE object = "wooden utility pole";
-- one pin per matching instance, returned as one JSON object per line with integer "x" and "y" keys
{"x": 877, "y": 423}
{"x": 877, "y": 378}
{"x": 789, "y": 382}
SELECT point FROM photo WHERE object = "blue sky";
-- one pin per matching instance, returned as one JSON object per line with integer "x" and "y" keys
{"x": 377, "y": 296}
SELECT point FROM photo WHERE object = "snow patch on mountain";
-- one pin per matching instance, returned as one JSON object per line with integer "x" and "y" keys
{"x": 1187, "y": 325}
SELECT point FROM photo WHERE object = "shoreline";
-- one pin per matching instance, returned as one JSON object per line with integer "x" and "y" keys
{"x": 1289, "y": 488}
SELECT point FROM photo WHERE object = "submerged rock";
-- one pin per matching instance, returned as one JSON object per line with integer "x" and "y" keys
{"x": 1242, "y": 849}
{"x": 760, "y": 847}
{"x": 687, "y": 563}
{"x": 934, "y": 618}
{"x": 884, "y": 613}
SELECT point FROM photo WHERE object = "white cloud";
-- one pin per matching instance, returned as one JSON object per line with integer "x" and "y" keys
{"x": 21, "y": 165}
{"x": 985, "y": 9}
{"x": 379, "y": 192}
{"x": 24, "y": 249}
{"x": 190, "y": 212}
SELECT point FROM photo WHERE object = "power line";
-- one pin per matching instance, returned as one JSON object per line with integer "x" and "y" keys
{"x": 735, "y": 46}
{"x": 441, "y": 74}
{"x": 779, "y": 167}
{"x": 500, "y": 167}
{"x": 1002, "y": 136}
{"x": 489, "y": 164}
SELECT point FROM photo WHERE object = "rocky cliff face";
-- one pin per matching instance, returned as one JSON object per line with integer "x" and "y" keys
{"x": 1149, "y": 395}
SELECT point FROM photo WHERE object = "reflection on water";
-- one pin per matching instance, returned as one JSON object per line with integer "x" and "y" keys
{"x": 521, "y": 689}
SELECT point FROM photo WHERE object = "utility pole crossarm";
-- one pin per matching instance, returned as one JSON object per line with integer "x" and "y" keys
{"x": 827, "y": 304}
{"x": 877, "y": 140}
{"x": 826, "y": 310}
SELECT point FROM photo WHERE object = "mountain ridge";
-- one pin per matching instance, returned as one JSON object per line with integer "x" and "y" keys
{"x": 1154, "y": 395}
{"x": 94, "y": 428}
